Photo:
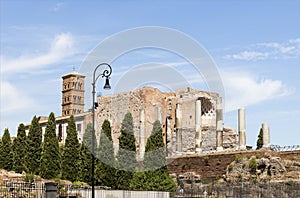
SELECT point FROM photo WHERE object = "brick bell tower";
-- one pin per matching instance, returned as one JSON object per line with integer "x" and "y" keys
{"x": 72, "y": 94}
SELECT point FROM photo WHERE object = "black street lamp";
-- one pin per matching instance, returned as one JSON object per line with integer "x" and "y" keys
{"x": 106, "y": 74}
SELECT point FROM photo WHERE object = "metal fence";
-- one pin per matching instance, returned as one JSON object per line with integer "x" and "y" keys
{"x": 249, "y": 190}
{"x": 39, "y": 190}
{"x": 285, "y": 148}
{"x": 21, "y": 190}
{"x": 75, "y": 191}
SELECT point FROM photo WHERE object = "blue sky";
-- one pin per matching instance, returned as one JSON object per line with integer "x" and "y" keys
{"x": 255, "y": 44}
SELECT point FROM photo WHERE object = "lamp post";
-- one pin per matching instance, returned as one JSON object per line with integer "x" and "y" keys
{"x": 105, "y": 74}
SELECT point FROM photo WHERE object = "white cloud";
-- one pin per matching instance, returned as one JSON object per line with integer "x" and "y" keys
{"x": 268, "y": 50}
{"x": 244, "y": 89}
{"x": 248, "y": 55}
{"x": 13, "y": 99}
{"x": 61, "y": 48}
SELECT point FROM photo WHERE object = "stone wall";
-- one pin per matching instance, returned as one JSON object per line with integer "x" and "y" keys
{"x": 175, "y": 110}
{"x": 214, "y": 166}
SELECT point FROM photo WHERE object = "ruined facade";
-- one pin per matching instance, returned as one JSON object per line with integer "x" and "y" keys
{"x": 192, "y": 120}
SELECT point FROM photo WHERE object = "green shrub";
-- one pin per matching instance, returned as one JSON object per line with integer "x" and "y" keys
{"x": 253, "y": 165}
{"x": 244, "y": 165}
{"x": 240, "y": 177}
{"x": 238, "y": 159}
{"x": 29, "y": 178}
{"x": 206, "y": 158}
{"x": 258, "y": 156}
{"x": 230, "y": 167}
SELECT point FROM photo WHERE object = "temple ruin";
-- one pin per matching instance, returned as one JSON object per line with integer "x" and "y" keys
{"x": 192, "y": 120}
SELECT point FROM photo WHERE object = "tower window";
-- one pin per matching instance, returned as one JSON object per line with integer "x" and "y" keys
{"x": 79, "y": 128}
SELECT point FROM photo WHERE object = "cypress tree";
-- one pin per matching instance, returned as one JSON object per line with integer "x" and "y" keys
{"x": 155, "y": 153}
{"x": 50, "y": 159}
{"x": 105, "y": 171}
{"x": 20, "y": 150}
{"x": 69, "y": 166}
{"x": 259, "y": 142}
{"x": 126, "y": 154}
{"x": 156, "y": 176}
{"x": 85, "y": 157}
{"x": 6, "y": 160}
{"x": 34, "y": 149}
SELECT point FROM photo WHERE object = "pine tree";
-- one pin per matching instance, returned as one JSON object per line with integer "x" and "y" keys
{"x": 126, "y": 154}
{"x": 85, "y": 157}
{"x": 34, "y": 149}
{"x": 6, "y": 154}
{"x": 156, "y": 176}
{"x": 50, "y": 159}
{"x": 105, "y": 171}
{"x": 259, "y": 142}
{"x": 69, "y": 166}
{"x": 20, "y": 150}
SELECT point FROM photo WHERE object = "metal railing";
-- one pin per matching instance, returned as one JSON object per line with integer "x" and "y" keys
{"x": 285, "y": 148}
{"x": 22, "y": 190}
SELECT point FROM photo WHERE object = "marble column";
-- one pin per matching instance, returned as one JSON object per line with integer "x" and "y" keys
{"x": 198, "y": 123}
{"x": 242, "y": 128}
{"x": 142, "y": 134}
{"x": 159, "y": 114}
{"x": 266, "y": 135}
{"x": 219, "y": 123}
{"x": 178, "y": 128}
{"x": 168, "y": 135}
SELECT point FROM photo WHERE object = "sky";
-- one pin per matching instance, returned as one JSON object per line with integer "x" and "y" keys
{"x": 255, "y": 46}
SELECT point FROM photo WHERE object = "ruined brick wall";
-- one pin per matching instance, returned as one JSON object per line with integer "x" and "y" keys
{"x": 214, "y": 166}
{"x": 149, "y": 104}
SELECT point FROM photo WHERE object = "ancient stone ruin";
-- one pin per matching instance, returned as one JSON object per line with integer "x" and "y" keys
{"x": 192, "y": 120}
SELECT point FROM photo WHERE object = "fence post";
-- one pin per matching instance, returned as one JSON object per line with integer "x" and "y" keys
{"x": 51, "y": 190}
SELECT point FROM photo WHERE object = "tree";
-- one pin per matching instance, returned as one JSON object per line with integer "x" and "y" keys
{"x": 259, "y": 142}
{"x": 34, "y": 149}
{"x": 126, "y": 154}
{"x": 69, "y": 166}
{"x": 6, "y": 155}
{"x": 85, "y": 156}
{"x": 20, "y": 150}
{"x": 105, "y": 171}
{"x": 155, "y": 176}
{"x": 155, "y": 153}
{"x": 50, "y": 159}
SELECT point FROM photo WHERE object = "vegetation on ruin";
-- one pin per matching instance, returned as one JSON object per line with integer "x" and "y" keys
{"x": 34, "y": 149}
{"x": 70, "y": 156}
{"x": 127, "y": 153}
{"x": 253, "y": 165}
{"x": 105, "y": 172}
{"x": 259, "y": 142}
{"x": 20, "y": 150}
{"x": 50, "y": 159}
